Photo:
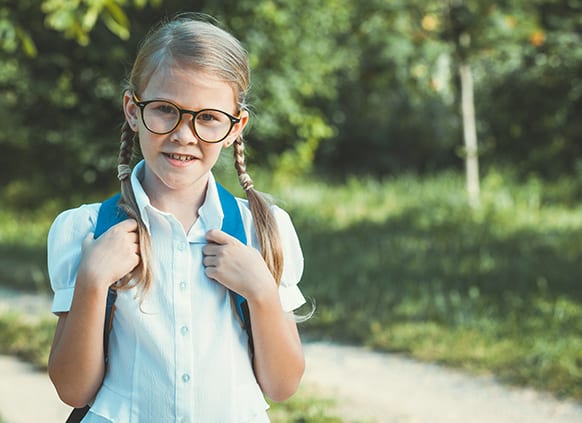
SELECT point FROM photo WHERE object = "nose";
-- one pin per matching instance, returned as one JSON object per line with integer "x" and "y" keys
{"x": 184, "y": 132}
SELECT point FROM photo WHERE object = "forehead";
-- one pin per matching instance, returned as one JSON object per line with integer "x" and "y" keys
{"x": 190, "y": 88}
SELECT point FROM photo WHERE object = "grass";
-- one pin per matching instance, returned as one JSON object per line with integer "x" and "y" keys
{"x": 31, "y": 340}
{"x": 404, "y": 265}
{"x": 305, "y": 406}
{"x": 26, "y": 338}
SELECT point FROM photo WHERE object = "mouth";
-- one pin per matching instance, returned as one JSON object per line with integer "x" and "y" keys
{"x": 180, "y": 157}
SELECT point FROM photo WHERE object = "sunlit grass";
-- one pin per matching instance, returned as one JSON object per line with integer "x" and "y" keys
{"x": 305, "y": 406}
{"x": 27, "y": 338}
{"x": 405, "y": 265}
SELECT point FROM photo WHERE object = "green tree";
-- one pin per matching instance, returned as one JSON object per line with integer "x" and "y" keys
{"x": 391, "y": 115}
{"x": 531, "y": 110}
{"x": 294, "y": 54}
{"x": 366, "y": 87}
{"x": 505, "y": 46}
{"x": 61, "y": 108}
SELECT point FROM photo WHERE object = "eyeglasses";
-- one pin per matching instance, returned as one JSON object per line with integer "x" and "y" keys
{"x": 162, "y": 117}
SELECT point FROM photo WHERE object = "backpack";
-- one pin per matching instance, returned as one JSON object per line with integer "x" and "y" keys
{"x": 110, "y": 214}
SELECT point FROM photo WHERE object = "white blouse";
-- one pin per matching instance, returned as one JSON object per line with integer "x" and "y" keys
{"x": 182, "y": 355}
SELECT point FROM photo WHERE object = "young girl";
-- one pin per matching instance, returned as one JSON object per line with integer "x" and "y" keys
{"x": 177, "y": 351}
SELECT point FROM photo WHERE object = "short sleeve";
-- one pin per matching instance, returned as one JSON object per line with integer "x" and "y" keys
{"x": 64, "y": 245}
{"x": 289, "y": 292}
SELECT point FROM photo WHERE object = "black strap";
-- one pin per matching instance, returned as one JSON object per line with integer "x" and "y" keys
{"x": 77, "y": 414}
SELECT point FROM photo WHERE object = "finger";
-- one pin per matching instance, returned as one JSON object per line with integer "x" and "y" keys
{"x": 218, "y": 237}
{"x": 212, "y": 249}
{"x": 128, "y": 225}
{"x": 211, "y": 273}
{"x": 210, "y": 261}
{"x": 209, "y": 250}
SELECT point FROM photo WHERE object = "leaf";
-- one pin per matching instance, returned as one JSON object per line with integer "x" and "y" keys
{"x": 27, "y": 43}
{"x": 90, "y": 18}
{"x": 116, "y": 20}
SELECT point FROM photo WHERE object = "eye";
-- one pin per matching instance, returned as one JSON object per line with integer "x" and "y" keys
{"x": 212, "y": 118}
{"x": 207, "y": 116}
{"x": 165, "y": 108}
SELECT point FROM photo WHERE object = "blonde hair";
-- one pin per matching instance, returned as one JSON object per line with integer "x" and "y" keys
{"x": 190, "y": 42}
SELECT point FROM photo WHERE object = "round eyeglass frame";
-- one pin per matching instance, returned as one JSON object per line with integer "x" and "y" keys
{"x": 142, "y": 105}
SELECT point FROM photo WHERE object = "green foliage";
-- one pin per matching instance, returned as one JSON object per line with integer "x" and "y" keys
{"x": 294, "y": 57}
{"x": 61, "y": 110}
{"x": 30, "y": 340}
{"x": 536, "y": 135}
{"x": 23, "y": 249}
{"x": 77, "y": 18}
{"x": 407, "y": 266}
{"x": 366, "y": 87}
{"x": 305, "y": 406}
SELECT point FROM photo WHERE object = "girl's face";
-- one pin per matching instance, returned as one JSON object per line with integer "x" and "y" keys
{"x": 179, "y": 161}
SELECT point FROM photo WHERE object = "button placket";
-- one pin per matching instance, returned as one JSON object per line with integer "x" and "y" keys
{"x": 182, "y": 312}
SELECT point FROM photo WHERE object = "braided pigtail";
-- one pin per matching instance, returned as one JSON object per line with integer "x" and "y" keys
{"x": 141, "y": 276}
{"x": 265, "y": 224}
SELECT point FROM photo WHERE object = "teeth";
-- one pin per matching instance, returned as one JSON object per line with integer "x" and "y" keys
{"x": 181, "y": 157}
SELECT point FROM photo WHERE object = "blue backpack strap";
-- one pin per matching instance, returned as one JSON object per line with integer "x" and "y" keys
{"x": 109, "y": 214}
{"x": 232, "y": 224}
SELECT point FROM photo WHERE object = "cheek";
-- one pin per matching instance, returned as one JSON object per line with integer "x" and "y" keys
{"x": 211, "y": 150}
{"x": 146, "y": 144}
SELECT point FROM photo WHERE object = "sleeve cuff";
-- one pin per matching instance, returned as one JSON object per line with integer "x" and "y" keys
{"x": 62, "y": 300}
{"x": 291, "y": 297}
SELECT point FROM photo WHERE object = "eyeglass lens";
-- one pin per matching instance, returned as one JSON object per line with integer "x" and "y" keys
{"x": 210, "y": 125}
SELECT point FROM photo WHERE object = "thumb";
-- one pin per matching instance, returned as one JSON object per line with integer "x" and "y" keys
{"x": 218, "y": 237}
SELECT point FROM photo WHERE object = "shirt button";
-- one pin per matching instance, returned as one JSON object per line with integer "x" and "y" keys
{"x": 181, "y": 246}
{"x": 186, "y": 378}
{"x": 182, "y": 285}
{"x": 184, "y": 330}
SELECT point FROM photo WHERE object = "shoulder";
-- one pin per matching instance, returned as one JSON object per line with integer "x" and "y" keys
{"x": 64, "y": 250}
{"x": 81, "y": 219}
{"x": 292, "y": 252}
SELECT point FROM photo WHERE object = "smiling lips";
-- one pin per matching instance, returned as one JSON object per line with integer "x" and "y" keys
{"x": 180, "y": 157}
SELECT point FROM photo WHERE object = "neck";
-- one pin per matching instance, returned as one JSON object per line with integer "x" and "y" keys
{"x": 182, "y": 203}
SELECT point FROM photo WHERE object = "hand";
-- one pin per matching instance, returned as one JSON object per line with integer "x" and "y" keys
{"x": 238, "y": 267}
{"x": 112, "y": 256}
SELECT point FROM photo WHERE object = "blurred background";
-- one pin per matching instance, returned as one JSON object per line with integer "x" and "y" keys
{"x": 429, "y": 152}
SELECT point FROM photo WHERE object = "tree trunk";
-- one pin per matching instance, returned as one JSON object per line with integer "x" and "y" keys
{"x": 469, "y": 134}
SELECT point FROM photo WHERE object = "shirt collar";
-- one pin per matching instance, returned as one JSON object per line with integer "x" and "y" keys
{"x": 141, "y": 197}
{"x": 210, "y": 213}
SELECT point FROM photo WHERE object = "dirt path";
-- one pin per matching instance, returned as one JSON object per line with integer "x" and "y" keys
{"x": 375, "y": 387}
{"x": 27, "y": 396}
{"x": 368, "y": 387}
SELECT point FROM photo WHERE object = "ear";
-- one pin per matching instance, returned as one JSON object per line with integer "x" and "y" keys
{"x": 237, "y": 129}
{"x": 130, "y": 110}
